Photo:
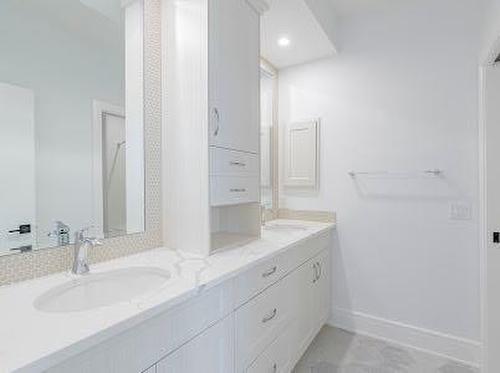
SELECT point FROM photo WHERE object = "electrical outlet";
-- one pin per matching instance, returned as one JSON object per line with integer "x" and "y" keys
{"x": 460, "y": 211}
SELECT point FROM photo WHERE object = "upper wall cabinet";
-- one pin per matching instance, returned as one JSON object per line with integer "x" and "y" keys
{"x": 234, "y": 75}
{"x": 211, "y": 126}
{"x": 301, "y": 154}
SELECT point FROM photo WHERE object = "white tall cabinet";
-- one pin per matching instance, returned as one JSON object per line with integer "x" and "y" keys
{"x": 211, "y": 122}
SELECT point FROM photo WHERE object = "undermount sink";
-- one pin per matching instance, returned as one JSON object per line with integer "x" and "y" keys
{"x": 102, "y": 289}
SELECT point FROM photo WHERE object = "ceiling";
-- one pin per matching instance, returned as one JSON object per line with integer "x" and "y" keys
{"x": 82, "y": 19}
{"x": 295, "y": 20}
{"x": 345, "y": 8}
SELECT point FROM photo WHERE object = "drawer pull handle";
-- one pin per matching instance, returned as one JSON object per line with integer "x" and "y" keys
{"x": 270, "y": 317}
{"x": 320, "y": 270}
{"x": 270, "y": 272}
{"x": 275, "y": 368}
{"x": 236, "y": 163}
{"x": 315, "y": 272}
{"x": 237, "y": 190}
{"x": 216, "y": 116}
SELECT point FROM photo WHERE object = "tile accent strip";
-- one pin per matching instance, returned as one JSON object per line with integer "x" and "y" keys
{"x": 319, "y": 216}
{"x": 20, "y": 267}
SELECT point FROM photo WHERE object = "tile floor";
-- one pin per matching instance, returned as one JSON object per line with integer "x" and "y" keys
{"x": 338, "y": 351}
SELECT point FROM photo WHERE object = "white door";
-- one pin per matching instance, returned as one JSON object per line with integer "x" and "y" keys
{"x": 492, "y": 136}
{"x": 17, "y": 165}
{"x": 234, "y": 75}
{"x": 114, "y": 175}
{"x": 211, "y": 352}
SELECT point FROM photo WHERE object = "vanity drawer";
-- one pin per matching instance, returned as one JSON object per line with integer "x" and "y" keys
{"x": 232, "y": 190}
{"x": 276, "y": 358}
{"x": 257, "y": 279}
{"x": 230, "y": 162}
{"x": 260, "y": 321}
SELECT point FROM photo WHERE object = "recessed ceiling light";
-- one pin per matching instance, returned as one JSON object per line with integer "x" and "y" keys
{"x": 284, "y": 42}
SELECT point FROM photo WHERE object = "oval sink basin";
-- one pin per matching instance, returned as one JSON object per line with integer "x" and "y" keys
{"x": 102, "y": 289}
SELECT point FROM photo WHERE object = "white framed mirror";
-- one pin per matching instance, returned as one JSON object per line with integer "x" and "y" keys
{"x": 71, "y": 121}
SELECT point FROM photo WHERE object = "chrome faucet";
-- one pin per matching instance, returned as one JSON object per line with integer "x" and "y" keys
{"x": 82, "y": 243}
{"x": 61, "y": 232}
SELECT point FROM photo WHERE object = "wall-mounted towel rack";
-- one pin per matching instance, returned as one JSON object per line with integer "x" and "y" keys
{"x": 431, "y": 172}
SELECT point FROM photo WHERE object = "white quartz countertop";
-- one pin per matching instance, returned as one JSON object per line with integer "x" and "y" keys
{"x": 32, "y": 340}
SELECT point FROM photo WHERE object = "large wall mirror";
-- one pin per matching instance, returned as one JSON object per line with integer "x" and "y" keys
{"x": 71, "y": 121}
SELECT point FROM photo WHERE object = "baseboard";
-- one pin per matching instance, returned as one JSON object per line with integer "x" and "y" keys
{"x": 452, "y": 347}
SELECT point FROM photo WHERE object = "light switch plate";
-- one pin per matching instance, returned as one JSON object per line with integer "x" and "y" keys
{"x": 460, "y": 211}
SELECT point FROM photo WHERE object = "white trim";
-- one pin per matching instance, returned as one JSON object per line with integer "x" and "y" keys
{"x": 483, "y": 221}
{"x": 99, "y": 108}
{"x": 456, "y": 348}
{"x": 483, "y": 237}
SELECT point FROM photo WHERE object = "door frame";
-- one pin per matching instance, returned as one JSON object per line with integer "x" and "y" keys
{"x": 487, "y": 63}
{"x": 99, "y": 109}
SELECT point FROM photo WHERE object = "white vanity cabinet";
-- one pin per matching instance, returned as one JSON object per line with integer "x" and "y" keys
{"x": 282, "y": 342}
{"x": 211, "y": 122}
{"x": 261, "y": 320}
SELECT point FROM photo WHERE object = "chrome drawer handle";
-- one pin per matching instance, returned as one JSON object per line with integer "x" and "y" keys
{"x": 216, "y": 116}
{"x": 270, "y": 272}
{"x": 237, "y": 190}
{"x": 320, "y": 270}
{"x": 235, "y": 163}
{"x": 270, "y": 317}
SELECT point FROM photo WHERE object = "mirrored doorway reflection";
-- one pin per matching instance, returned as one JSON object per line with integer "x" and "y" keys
{"x": 267, "y": 134}
{"x": 114, "y": 175}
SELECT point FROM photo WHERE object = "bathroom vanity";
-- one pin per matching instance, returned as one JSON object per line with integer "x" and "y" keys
{"x": 254, "y": 308}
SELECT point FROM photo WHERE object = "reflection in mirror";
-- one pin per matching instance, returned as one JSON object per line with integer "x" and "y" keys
{"x": 267, "y": 97}
{"x": 71, "y": 121}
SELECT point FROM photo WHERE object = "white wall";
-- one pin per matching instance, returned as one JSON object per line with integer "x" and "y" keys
{"x": 401, "y": 96}
{"x": 17, "y": 162}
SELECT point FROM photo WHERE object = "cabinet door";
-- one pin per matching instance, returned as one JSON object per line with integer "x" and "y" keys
{"x": 321, "y": 296}
{"x": 210, "y": 352}
{"x": 304, "y": 283}
{"x": 234, "y": 75}
{"x": 311, "y": 302}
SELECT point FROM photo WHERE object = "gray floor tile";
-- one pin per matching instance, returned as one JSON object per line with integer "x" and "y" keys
{"x": 337, "y": 351}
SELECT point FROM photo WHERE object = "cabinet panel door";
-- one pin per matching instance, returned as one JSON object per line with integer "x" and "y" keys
{"x": 321, "y": 302}
{"x": 234, "y": 75}
{"x": 210, "y": 352}
{"x": 303, "y": 279}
